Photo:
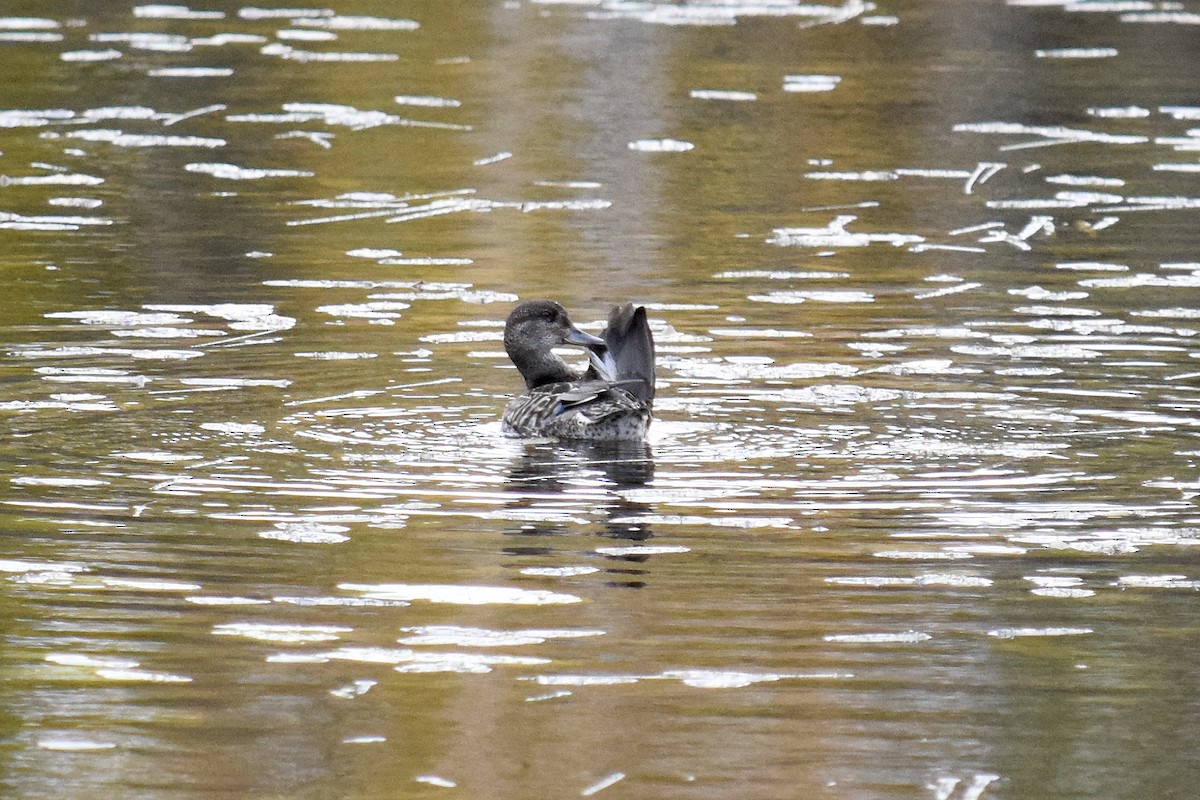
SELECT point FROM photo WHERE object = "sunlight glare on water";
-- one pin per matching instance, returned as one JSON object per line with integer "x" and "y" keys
{"x": 917, "y": 513}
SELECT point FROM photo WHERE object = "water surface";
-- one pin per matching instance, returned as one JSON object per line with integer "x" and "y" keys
{"x": 917, "y": 515}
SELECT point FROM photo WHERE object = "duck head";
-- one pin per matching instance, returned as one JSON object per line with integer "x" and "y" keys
{"x": 533, "y": 330}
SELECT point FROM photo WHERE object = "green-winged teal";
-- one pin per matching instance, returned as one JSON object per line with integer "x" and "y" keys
{"x": 609, "y": 402}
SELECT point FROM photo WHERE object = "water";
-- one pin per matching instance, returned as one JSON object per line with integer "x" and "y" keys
{"x": 917, "y": 517}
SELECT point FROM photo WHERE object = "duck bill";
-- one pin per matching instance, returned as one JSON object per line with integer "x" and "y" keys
{"x": 578, "y": 337}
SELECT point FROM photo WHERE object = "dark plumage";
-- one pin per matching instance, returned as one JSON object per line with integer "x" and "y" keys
{"x": 611, "y": 401}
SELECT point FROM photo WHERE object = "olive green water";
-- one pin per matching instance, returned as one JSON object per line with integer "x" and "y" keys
{"x": 917, "y": 516}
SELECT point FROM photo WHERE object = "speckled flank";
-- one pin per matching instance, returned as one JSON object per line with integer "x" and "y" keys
{"x": 615, "y": 416}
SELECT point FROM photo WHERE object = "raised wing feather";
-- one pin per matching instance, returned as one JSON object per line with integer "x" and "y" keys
{"x": 627, "y": 356}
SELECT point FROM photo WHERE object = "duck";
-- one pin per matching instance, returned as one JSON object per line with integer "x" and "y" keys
{"x": 610, "y": 401}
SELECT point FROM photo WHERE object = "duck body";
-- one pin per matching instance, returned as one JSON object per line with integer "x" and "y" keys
{"x": 610, "y": 401}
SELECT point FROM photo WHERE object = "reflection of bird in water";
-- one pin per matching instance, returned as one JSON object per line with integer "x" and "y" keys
{"x": 558, "y": 478}
{"x": 609, "y": 402}
{"x": 542, "y": 466}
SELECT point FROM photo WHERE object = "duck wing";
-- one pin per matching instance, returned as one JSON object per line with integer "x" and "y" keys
{"x": 533, "y": 411}
{"x": 627, "y": 355}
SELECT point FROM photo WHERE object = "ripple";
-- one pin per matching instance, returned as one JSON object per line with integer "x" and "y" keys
{"x": 1157, "y": 582}
{"x": 289, "y": 53}
{"x": 866, "y": 177}
{"x": 661, "y": 146}
{"x": 696, "y": 678}
{"x": 159, "y": 456}
{"x": 459, "y": 595}
{"x": 33, "y": 480}
{"x": 226, "y": 600}
{"x": 345, "y": 22}
{"x": 114, "y": 669}
{"x": 811, "y": 83}
{"x": 120, "y": 139}
{"x": 190, "y": 72}
{"x": 923, "y": 555}
{"x": 356, "y": 689}
{"x": 307, "y": 533}
{"x": 28, "y": 23}
{"x": 159, "y": 11}
{"x": 1119, "y": 112}
{"x": 234, "y": 428}
{"x": 724, "y": 369}
{"x": 585, "y": 680}
{"x": 835, "y": 235}
{"x": 559, "y": 572}
{"x": 149, "y": 585}
{"x": 605, "y": 782}
{"x": 795, "y": 297}
{"x": 235, "y": 173}
{"x": 906, "y": 637}
{"x": 107, "y": 54}
{"x": 426, "y": 101}
{"x": 375, "y": 310}
{"x": 722, "y": 94}
{"x": 406, "y": 660}
{"x": 74, "y": 744}
{"x": 282, "y": 633}
{"x": 87, "y": 660}
{"x": 75, "y": 202}
{"x": 1078, "y": 52}
{"x": 29, "y": 36}
{"x": 1021, "y": 633}
{"x": 872, "y": 581}
{"x": 1062, "y": 592}
{"x": 140, "y": 676}
{"x": 1038, "y": 293}
{"x": 442, "y": 635}
{"x": 758, "y": 333}
{"x": 643, "y": 550}
{"x": 716, "y": 12}
{"x": 1051, "y": 132}
{"x": 953, "y": 580}
{"x": 336, "y": 356}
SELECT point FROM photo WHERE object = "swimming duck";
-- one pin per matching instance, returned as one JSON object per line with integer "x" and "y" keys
{"x": 610, "y": 401}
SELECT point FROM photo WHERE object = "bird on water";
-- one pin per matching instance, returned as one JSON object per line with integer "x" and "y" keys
{"x": 610, "y": 401}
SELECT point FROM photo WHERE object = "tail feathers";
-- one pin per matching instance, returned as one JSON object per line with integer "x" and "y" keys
{"x": 628, "y": 352}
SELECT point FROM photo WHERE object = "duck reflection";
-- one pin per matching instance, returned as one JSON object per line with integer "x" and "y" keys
{"x": 557, "y": 464}
{"x": 559, "y": 487}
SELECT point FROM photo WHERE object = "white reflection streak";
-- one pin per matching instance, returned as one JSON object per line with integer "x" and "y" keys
{"x": 316, "y": 137}
{"x": 944, "y": 788}
{"x": 1037, "y": 224}
{"x": 1030, "y": 145}
{"x": 237, "y": 341}
{"x": 344, "y": 217}
{"x": 74, "y": 745}
{"x": 983, "y": 172}
{"x": 493, "y": 159}
{"x": 603, "y": 784}
{"x": 921, "y": 248}
{"x": 975, "y": 228}
{"x": 355, "y": 395}
{"x": 195, "y": 113}
{"x": 906, "y": 637}
{"x": 962, "y": 287}
{"x": 378, "y": 208}
{"x": 460, "y": 595}
{"x": 834, "y": 234}
{"x": 437, "y": 208}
